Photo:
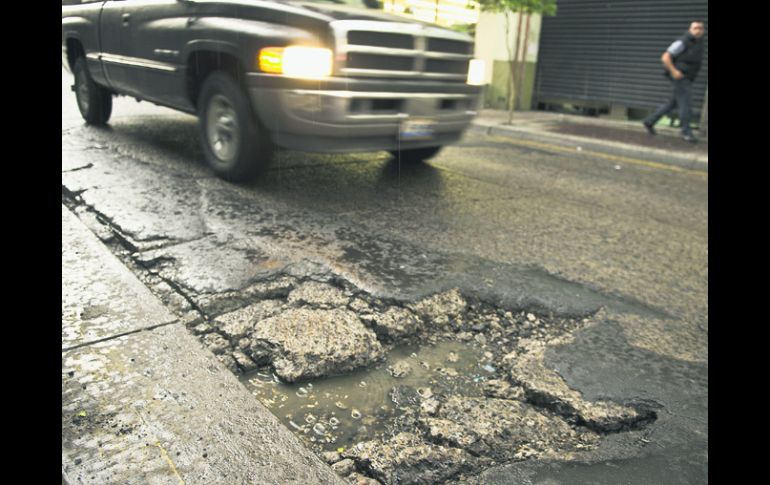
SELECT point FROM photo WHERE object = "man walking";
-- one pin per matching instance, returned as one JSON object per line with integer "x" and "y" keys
{"x": 682, "y": 61}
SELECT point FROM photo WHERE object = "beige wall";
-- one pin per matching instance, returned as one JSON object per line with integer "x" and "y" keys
{"x": 490, "y": 39}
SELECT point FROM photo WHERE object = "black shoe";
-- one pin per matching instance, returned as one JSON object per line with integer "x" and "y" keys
{"x": 689, "y": 138}
{"x": 649, "y": 128}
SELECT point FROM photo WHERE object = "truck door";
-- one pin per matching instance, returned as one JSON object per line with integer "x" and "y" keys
{"x": 157, "y": 29}
{"x": 115, "y": 45}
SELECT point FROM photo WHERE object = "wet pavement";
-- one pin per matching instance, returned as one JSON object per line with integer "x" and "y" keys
{"x": 510, "y": 227}
{"x": 624, "y": 141}
{"x": 625, "y": 135}
{"x": 143, "y": 401}
{"x": 346, "y": 409}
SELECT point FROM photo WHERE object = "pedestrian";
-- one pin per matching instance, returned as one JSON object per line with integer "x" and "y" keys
{"x": 682, "y": 61}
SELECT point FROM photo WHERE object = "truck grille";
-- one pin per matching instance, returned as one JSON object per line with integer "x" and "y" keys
{"x": 380, "y": 39}
{"x": 452, "y": 67}
{"x": 450, "y": 46}
{"x": 360, "y": 60}
{"x": 396, "y": 50}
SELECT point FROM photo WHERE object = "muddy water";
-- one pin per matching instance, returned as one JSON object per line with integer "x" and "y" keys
{"x": 338, "y": 412}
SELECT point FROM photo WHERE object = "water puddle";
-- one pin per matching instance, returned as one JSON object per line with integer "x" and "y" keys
{"x": 338, "y": 412}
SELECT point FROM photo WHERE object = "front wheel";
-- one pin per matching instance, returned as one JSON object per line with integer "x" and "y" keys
{"x": 415, "y": 155}
{"x": 94, "y": 101}
{"x": 235, "y": 145}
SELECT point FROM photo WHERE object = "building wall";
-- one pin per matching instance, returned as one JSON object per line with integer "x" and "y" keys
{"x": 496, "y": 92}
{"x": 606, "y": 54}
{"x": 491, "y": 47}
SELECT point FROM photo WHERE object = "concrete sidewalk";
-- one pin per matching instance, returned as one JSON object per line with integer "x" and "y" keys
{"x": 144, "y": 402}
{"x": 618, "y": 138}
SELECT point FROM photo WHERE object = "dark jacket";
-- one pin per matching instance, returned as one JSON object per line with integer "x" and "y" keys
{"x": 689, "y": 60}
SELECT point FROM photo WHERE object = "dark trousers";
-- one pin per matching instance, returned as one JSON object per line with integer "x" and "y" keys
{"x": 681, "y": 98}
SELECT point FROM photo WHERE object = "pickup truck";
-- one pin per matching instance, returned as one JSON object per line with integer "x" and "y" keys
{"x": 311, "y": 75}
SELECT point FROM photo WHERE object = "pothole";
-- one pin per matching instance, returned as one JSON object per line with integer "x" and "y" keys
{"x": 337, "y": 412}
{"x": 412, "y": 392}
{"x": 389, "y": 391}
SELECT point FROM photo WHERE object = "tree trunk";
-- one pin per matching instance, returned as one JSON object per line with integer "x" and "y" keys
{"x": 509, "y": 94}
{"x": 514, "y": 62}
{"x": 522, "y": 65}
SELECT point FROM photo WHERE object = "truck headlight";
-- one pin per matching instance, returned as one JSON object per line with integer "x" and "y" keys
{"x": 296, "y": 61}
{"x": 475, "y": 72}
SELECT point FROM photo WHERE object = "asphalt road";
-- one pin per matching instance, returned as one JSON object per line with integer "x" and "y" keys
{"x": 524, "y": 225}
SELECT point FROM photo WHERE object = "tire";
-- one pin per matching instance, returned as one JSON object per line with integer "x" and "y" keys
{"x": 415, "y": 155}
{"x": 94, "y": 101}
{"x": 236, "y": 147}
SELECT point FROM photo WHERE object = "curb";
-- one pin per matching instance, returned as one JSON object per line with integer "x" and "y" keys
{"x": 690, "y": 162}
{"x": 143, "y": 401}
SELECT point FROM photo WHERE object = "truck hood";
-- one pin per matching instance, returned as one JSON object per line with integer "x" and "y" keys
{"x": 344, "y": 12}
{"x": 301, "y": 13}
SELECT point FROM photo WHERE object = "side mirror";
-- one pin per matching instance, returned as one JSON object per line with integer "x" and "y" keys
{"x": 374, "y": 4}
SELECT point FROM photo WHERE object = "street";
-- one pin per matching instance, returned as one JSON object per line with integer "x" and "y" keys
{"x": 601, "y": 262}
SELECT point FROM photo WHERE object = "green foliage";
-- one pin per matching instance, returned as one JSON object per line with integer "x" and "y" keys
{"x": 525, "y": 9}
{"x": 547, "y": 8}
{"x": 543, "y": 7}
{"x": 469, "y": 29}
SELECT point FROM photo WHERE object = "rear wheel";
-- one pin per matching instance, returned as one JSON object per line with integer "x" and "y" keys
{"x": 236, "y": 147}
{"x": 415, "y": 155}
{"x": 94, "y": 101}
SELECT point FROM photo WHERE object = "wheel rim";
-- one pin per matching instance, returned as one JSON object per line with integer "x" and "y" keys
{"x": 222, "y": 128}
{"x": 81, "y": 90}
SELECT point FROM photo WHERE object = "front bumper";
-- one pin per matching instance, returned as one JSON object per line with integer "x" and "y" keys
{"x": 345, "y": 115}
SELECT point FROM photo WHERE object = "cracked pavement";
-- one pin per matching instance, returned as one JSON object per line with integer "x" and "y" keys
{"x": 504, "y": 226}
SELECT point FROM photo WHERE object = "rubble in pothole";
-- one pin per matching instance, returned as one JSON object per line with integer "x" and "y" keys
{"x": 512, "y": 407}
{"x": 502, "y": 429}
{"x": 316, "y": 328}
{"x": 319, "y": 295}
{"x": 546, "y": 388}
{"x": 408, "y": 458}
{"x": 304, "y": 343}
{"x": 393, "y": 324}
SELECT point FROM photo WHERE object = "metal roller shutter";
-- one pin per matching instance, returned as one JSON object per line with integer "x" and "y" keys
{"x": 603, "y": 52}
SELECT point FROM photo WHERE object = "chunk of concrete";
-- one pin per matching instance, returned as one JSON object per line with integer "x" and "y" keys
{"x": 239, "y": 323}
{"x": 545, "y": 387}
{"x": 408, "y": 459}
{"x": 395, "y": 323}
{"x": 318, "y": 294}
{"x": 304, "y": 343}
{"x": 499, "y": 428}
{"x": 439, "y": 309}
{"x": 344, "y": 467}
